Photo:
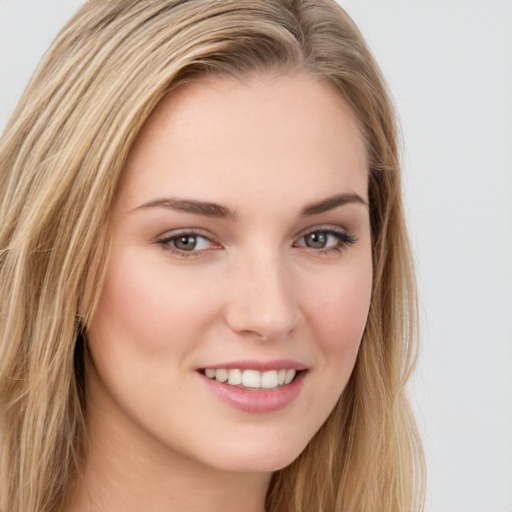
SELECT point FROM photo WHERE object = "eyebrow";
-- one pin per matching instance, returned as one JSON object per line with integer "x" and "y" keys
{"x": 192, "y": 206}
{"x": 209, "y": 209}
{"x": 332, "y": 202}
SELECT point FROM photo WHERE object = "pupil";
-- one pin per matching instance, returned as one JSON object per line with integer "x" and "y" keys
{"x": 316, "y": 240}
{"x": 185, "y": 243}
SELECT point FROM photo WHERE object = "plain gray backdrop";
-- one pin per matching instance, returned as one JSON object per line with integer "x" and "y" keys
{"x": 449, "y": 67}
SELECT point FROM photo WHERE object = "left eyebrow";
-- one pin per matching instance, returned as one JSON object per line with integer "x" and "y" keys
{"x": 330, "y": 203}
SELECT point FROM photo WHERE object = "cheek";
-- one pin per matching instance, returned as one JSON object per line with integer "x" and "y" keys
{"x": 144, "y": 329}
{"x": 146, "y": 308}
{"x": 338, "y": 314}
{"x": 336, "y": 317}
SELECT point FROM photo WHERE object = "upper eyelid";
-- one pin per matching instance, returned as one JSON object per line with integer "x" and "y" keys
{"x": 185, "y": 231}
{"x": 328, "y": 228}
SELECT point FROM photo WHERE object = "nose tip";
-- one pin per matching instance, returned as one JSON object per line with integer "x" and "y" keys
{"x": 264, "y": 327}
{"x": 264, "y": 304}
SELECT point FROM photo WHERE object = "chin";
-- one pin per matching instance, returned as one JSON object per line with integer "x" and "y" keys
{"x": 257, "y": 459}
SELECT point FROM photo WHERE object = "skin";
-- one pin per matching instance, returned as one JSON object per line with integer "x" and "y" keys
{"x": 265, "y": 147}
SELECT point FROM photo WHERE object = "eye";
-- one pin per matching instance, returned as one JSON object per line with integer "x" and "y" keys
{"x": 319, "y": 240}
{"x": 326, "y": 240}
{"x": 187, "y": 243}
{"x": 190, "y": 242}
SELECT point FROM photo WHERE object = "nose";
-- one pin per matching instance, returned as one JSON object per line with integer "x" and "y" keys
{"x": 263, "y": 303}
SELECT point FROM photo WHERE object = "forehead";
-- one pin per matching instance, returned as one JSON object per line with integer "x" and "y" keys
{"x": 290, "y": 135}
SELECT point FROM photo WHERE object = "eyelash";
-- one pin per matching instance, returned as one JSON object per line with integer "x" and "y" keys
{"x": 345, "y": 239}
{"x": 166, "y": 243}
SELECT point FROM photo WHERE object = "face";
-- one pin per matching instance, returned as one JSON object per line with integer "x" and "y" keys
{"x": 240, "y": 250}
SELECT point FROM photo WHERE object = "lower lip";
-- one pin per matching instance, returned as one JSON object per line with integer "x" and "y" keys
{"x": 257, "y": 400}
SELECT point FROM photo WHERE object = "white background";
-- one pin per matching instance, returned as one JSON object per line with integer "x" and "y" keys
{"x": 449, "y": 66}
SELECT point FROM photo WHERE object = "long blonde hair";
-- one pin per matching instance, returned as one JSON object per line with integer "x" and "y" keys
{"x": 60, "y": 160}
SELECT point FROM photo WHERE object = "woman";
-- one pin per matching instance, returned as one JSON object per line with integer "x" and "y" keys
{"x": 207, "y": 293}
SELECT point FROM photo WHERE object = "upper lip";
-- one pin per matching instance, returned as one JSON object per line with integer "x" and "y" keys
{"x": 252, "y": 364}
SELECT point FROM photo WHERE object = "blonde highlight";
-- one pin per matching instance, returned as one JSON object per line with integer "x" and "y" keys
{"x": 61, "y": 159}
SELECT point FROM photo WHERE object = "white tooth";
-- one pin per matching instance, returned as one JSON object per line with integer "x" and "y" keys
{"x": 251, "y": 378}
{"x": 281, "y": 374}
{"x": 269, "y": 379}
{"x": 221, "y": 375}
{"x": 210, "y": 373}
{"x": 234, "y": 377}
{"x": 289, "y": 376}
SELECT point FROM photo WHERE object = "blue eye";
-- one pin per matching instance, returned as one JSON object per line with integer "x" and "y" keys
{"x": 184, "y": 243}
{"x": 325, "y": 240}
{"x": 319, "y": 240}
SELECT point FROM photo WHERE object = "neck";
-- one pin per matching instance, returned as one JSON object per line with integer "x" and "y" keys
{"x": 128, "y": 489}
{"x": 119, "y": 480}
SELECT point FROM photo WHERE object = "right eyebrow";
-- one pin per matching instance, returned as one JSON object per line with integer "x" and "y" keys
{"x": 332, "y": 202}
{"x": 192, "y": 206}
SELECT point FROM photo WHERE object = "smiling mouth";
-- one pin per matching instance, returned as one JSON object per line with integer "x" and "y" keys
{"x": 252, "y": 379}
